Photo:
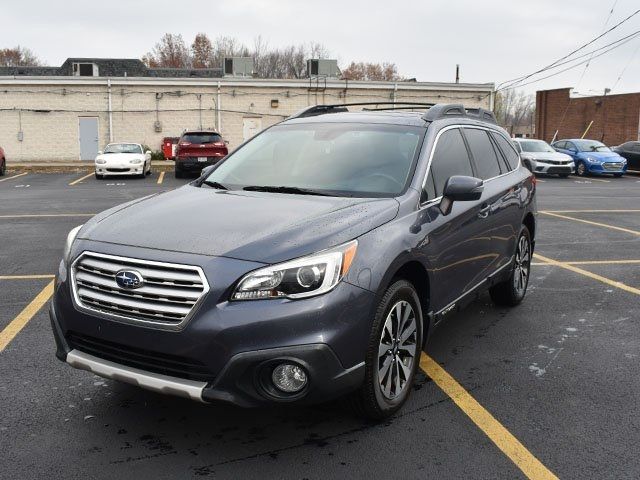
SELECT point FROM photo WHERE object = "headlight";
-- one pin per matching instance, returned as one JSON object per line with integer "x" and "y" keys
{"x": 101, "y": 161}
{"x": 592, "y": 160}
{"x": 135, "y": 161}
{"x": 300, "y": 278}
{"x": 70, "y": 238}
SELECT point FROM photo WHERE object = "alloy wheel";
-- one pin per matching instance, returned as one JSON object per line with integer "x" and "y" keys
{"x": 522, "y": 265}
{"x": 397, "y": 350}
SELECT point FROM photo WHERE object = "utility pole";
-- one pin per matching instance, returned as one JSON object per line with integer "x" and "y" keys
{"x": 457, "y": 73}
{"x": 604, "y": 113}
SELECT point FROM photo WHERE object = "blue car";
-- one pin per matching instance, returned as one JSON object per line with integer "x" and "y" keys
{"x": 592, "y": 157}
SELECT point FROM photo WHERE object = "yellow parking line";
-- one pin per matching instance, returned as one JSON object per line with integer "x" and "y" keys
{"x": 497, "y": 433}
{"x": 612, "y": 227}
{"x": 38, "y": 215}
{"x": 595, "y": 262}
{"x": 25, "y": 277}
{"x": 594, "y": 276}
{"x": 590, "y": 211}
{"x": 18, "y": 323}
{"x": 12, "y": 177}
{"x": 80, "y": 179}
{"x": 160, "y": 178}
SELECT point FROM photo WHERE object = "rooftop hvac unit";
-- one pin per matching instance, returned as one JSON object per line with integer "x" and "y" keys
{"x": 238, "y": 66}
{"x": 317, "y": 67}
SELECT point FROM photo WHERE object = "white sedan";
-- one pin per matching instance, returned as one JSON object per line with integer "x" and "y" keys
{"x": 123, "y": 159}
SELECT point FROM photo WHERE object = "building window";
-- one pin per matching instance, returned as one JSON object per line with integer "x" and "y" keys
{"x": 85, "y": 70}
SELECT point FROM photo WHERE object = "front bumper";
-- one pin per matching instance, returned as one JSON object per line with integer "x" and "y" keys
{"x": 552, "y": 169}
{"x": 606, "y": 168}
{"x": 227, "y": 348}
{"x": 119, "y": 170}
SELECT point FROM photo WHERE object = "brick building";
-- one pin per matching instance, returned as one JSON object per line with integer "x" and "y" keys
{"x": 616, "y": 118}
{"x": 57, "y": 113}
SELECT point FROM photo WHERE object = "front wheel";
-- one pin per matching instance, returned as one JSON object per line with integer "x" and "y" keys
{"x": 617, "y": 175}
{"x": 3, "y": 167}
{"x": 512, "y": 291}
{"x": 98, "y": 176}
{"x": 393, "y": 354}
{"x": 581, "y": 169}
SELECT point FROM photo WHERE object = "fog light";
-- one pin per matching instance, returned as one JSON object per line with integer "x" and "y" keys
{"x": 289, "y": 378}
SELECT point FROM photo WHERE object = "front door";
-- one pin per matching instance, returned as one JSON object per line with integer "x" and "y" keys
{"x": 88, "y": 133}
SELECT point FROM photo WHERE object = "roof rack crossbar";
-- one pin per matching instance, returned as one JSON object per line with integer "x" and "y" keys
{"x": 342, "y": 107}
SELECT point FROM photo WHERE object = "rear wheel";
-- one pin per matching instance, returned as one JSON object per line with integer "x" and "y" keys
{"x": 393, "y": 354}
{"x": 178, "y": 172}
{"x": 3, "y": 167}
{"x": 512, "y": 291}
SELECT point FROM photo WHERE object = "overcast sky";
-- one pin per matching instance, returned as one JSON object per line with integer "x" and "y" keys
{"x": 493, "y": 40}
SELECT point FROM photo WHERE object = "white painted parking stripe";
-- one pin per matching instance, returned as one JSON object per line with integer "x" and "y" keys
{"x": 12, "y": 177}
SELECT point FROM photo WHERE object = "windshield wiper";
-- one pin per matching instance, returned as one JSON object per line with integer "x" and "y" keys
{"x": 214, "y": 184}
{"x": 284, "y": 189}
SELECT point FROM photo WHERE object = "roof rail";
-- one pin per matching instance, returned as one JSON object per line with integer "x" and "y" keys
{"x": 342, "y": 107}
{"x": 443, "y": 110}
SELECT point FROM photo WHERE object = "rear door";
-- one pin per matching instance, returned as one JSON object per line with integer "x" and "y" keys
{"x": 457, "y": 249}
{"x": 498, "y": 213}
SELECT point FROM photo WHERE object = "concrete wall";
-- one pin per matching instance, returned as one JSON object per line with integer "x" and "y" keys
{"x": 616, "y": 118}
{"x": 46, "y": 109}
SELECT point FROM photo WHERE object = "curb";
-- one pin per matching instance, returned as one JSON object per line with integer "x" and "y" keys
{"x": 74, "y": 167}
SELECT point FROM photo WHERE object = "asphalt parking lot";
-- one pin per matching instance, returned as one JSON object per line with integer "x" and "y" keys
{"x": 551, "y": 387}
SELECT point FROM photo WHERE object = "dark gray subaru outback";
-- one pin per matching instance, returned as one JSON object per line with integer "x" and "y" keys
{"x": 311, "y": 263}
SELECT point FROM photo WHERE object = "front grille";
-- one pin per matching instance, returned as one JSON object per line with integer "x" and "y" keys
{"x": 612, "y": 166}
{"x": 172, "y": 365}
{"x": 166, "y": 298}
{"x": 561, "y": 170}
{"x": 117, "y": 170}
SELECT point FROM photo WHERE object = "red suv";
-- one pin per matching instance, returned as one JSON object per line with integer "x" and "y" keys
{"x": 198, "y": 149}
{"x": 3, "y": 162}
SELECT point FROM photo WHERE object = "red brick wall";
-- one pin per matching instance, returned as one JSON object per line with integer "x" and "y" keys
{"x": 616, "y": 118}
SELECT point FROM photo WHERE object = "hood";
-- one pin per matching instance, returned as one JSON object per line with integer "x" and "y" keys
{"x": 546, "y": 156}
{"x": 256, "y": 226}
{"x": 120, "y": 157}
{"x": 602, "y": 156}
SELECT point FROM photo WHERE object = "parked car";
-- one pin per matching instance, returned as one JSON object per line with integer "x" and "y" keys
{"x": 123, "y": 159}
{"x": 539, "y": 157}
{"x": 631, "y": 152}
{"x": 3, "y": 162}
{"x": 198, "y": 149}
{"x": 311, "y": 263}
{"x": 592, "y": 157}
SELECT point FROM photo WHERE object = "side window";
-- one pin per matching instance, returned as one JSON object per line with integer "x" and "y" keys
{"x": 484, "y": 156}
{"x": 449, "y": 158}
{"x": 561, "y": 145}
{"x": 507, "y": 150}
{"x": 570, "y": 146}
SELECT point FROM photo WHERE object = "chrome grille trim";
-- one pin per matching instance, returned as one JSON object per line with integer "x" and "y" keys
{"x": 169, "y": 296}
{"x": 612, "y": 165}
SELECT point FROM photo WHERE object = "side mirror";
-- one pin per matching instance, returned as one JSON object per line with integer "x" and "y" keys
{"x": 460, "y": 188}
{"x": 148, "y": 152}
{"x": 100, "y": 152}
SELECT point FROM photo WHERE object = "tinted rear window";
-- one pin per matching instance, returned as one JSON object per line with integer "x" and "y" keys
{"x": 483, "y": 153}
{"x": 508, "y": 150}
{"x": 201, "y": 137}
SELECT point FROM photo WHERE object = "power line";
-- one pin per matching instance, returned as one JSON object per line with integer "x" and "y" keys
{"x": 625, "y": 67}
{"x": 510, "y": 83}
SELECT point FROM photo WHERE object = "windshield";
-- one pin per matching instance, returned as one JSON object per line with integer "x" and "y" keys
{"x": 536, "y": 146}
{"x": 591, "y": 146}
{"x": 349, "y": 159}
{"x": 203, "y": 137}
{"x": 123, "y": 148}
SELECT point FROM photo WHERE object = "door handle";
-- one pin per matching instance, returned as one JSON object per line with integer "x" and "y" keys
{"x": 485, "y": 209}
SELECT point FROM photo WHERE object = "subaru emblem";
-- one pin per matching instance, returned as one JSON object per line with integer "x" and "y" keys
{"x": 129, "y": 279}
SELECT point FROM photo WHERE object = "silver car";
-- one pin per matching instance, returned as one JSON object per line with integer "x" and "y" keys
{"x": 539, "y": 157}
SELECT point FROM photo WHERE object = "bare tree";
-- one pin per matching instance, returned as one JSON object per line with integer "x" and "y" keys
{"x": 371, "y": 71}
{"x": 202, "y": 52}
{"x": 18, "y": 57}
{"x": 514, "y": 108}
{"x": 169, "y": 52}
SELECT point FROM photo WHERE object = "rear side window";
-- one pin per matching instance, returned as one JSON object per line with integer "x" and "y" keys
{"x": 484, "y": 155}
{"x": 449, "y": 158}
{"x": 559, "y": 145}
{"x": 202, "y": 137}
{"x": 507, "y": 150}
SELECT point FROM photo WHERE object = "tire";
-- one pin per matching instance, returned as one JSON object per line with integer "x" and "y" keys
{"x": 149, "y": 171}
{"x": 581, "y": 170}
{"x": 178, "y": 173}
{"x": 98, "y": 176}
{"x": 380, "y": 398}
{"x": 3, "y": 168}
{"x": 617, "y": 175}
{"x": 512, "y": 291}
{"x": 144, "y": 171}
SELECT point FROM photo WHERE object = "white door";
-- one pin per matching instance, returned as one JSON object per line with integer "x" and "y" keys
{"x": 250, "y": 127}
{"x": 88, "y": 132}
